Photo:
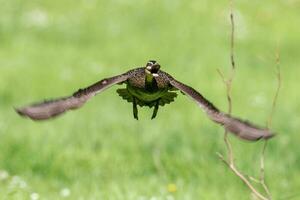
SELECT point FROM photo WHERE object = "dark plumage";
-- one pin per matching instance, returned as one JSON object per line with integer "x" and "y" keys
{"x": 145, "y": 86}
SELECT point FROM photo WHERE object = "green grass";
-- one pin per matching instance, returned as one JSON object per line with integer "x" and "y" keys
{"x": 50, "y": 48}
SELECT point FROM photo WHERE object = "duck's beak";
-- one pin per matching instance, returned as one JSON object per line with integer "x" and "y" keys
{"x": 152, "y": 70}
{"x": 149, "y": 73}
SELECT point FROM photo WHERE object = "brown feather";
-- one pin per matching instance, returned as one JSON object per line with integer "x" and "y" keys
{"x": 242, "y": 129}
{"x": 53, "y": 108}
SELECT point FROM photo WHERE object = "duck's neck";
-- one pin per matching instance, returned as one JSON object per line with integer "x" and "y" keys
{"x": 150, "y": 82}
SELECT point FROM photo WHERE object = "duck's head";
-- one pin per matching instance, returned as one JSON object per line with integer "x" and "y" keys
{"x": 152, "y": 67}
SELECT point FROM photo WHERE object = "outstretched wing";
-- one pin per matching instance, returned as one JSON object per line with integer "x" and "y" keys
{"x": 242, "y": 129}
{"x": 52, "y": 108}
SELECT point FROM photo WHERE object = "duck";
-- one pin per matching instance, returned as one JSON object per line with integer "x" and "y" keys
{"x": 146, "y": 86}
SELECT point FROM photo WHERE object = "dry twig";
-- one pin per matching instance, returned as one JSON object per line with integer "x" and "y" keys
{"x": 269, "y": 122}
{"x": 230, "y": 162}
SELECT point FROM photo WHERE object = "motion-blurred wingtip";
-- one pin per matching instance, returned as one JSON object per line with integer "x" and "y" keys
{"x": 265, "y": 137}
{"x": 20, "y": 111}
{"x": 24, "y": 113}
{"x": 269, "y": 136}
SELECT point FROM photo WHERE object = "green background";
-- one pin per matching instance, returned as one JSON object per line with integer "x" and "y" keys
{"x": 50, "y": 48}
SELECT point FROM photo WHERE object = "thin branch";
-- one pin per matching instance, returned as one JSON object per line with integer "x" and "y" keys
{"x": 262, "y": 171}
{"x": 278, "y": 75}
{"x": 232, "y": 36}
{"x": 242, "y": 177}
{"x": 269, "y": 122}
{"x": 230, "y": 163}
{"x": 229, "y": 85}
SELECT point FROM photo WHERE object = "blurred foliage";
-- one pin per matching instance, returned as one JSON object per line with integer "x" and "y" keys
{"x": 49, "y": 48}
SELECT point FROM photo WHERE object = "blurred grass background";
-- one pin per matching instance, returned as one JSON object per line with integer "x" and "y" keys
{"x": 50, "y": 48}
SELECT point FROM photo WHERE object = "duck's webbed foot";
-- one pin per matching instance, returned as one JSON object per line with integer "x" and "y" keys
{"x": 155, "y": 109}
{"x": 135, "y": 110}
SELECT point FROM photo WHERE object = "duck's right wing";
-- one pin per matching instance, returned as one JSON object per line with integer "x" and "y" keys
{"x": 51, "y": 108}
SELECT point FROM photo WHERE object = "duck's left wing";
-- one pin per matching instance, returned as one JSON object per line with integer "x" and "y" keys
{"x": 51, "y": 108}
{"x": 240, "y": 128}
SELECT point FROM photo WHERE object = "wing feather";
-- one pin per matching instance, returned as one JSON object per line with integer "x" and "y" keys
{"x": 52, "y": 108}
{"x": 240, "y": 128}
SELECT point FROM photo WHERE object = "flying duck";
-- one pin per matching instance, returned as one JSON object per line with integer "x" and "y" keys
{"x": 145, "y": 86}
